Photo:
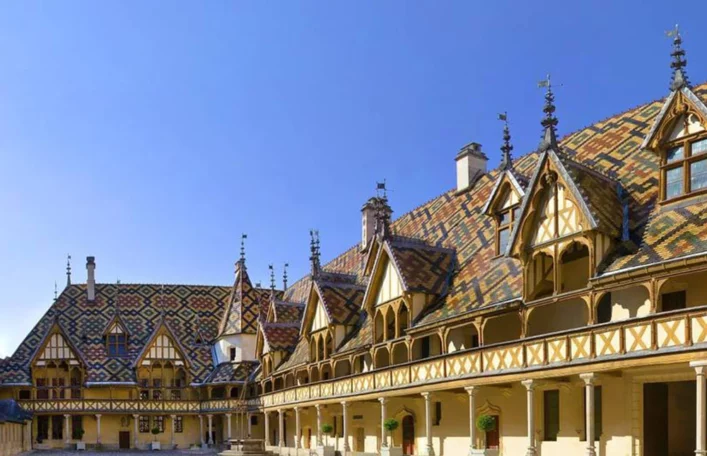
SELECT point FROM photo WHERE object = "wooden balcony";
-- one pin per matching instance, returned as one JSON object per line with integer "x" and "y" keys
{"x": 656, "y": 334}
{"x": 136, "y": 406}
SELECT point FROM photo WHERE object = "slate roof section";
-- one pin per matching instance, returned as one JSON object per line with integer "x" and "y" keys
{"x": 232, "y": 372}
{"x": 11, "y": 412}
{"x": 188, "y": 309}
{"x": 280, "y": 336}
{"x": 340, "y": 297}
{"x": 422, "y": 268}
{"x": 287, "y": 312}
{"x": 241, "y": 316}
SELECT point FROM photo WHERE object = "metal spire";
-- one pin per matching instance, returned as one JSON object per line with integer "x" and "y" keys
{"x": 117, "y": 296}
{"x": 68, "y": 270}
{"x": 244, "y": 236}
{"x": 56, "y": 292}
{"x": 272, "y": 277}
{"x": 284, "y": 276}
{"x": 507, "y": 147}
{"x": 549, "y": 122}
{"x": 679, "y": 62}
{"x": 315, "y": 251}
{"x": 382, "y": 210}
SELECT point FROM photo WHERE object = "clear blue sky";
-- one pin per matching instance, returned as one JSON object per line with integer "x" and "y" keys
{"x": 151, "y": 134}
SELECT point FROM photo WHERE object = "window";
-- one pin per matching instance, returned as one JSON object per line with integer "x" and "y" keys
{"x": 25, "y": 394}
{"x": 42, "y": 427}
{"x": 42, "y": 391}
{"x": 438, "y": 414}
{"x": 76, "y": 427}
{"x": 158, "y": 422}
{"x": 604, "y": 309}
{"x": 551, "y": 410}
{"x": 57, "y": 388}
{"x": 685, "y": 168}
{"x": 175, "y": 395}
{"x": 597, "y": 412}
{"x": 233, "y": 353}
{"x": 178, "y": 424}
{"x": 425, "y": 348}
{"x": 144, "y": 424}
{"x": 673, "y": 301}
{"x": 253, "y": 420}
{"x": 57, "y": 427}
{"x": 504, "y": 225}
{"x": 117, "y": 344}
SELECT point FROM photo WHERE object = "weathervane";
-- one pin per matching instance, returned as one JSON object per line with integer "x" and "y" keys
{"x": 272, "y": 276}
{"x": 244, "y": 236}
{"x": 56, "y": 292}
{"x": 549, "y": 122}
{"x": 679, "y": 62}
{"x": 507, "y": 147}
{"x": 284, "y": 276}
{"x": 68, "y": 269}
{"x": 314, "y": 248}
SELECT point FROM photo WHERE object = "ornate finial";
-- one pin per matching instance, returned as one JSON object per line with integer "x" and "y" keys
{"x": 68, "y": 270}
{"x": 549, "y": 122}
{"x": 243, "y": 238}
{"x": 679, "y": 62}
{"x": 284, "y": 276}
{"x": 315, "y": 251}
{"x": 56, "y": 292}
{"x": 272, "y": 276}
{"x": 117, "y": 296}
{"x": 507, "y": 147}
{"x": 382, "y": 210}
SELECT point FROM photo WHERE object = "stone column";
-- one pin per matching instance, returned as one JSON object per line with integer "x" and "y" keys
{"x": 701, "y": 407}
{"x": 28, "y": 435}
{"x": 98, "y": 429}
{"x": 472, "y": 390}
{"x": 319, "y": 425}
{"x": 298, "y": 430}
{"x": 281, "y": 428}
{"x": 211, "y": 428}
{"x": 136, "y": 439}
{"x": 172, "y": 419}
{"x": 345, "y": 425}
{"x": 429, "y": 448}
{"x": 67, "y": 431}
{"x": 589, "y": 410}
{"x": 228, "y": 426}
{"x": 201, "y": 430}
{"x": 249, "y": 426}
{"x": 530, "y": 387}
{"x": 267, "y": 428}
{"x": 384, "y": 440}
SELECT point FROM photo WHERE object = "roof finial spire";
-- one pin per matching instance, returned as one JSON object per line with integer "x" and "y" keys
{"x": 56, "y": 292}
{"x": 507, "y": 147}
{"x": 244, "y": 236}
{"x": 117, "y": 296}
{"x": 315, "y": 252}
{"x": 68, "y": 269}
{"x": 162, "y": 301}
{"x": 284, "y": 276}
{"x": 272, "y": 276}
{"x": 679, "y": 61}
{"x": 549, "y": 122}
{"x": 383, "y": 211}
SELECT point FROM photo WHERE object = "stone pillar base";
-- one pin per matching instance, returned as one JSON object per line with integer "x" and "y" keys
{"x": 325, "y": 450}
{"x": 391, "y": 451}
{"x": 482, "y": 452}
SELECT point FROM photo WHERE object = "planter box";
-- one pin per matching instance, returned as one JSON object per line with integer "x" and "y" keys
{"x": 325, "y": 450}
{"x": 155, "y": 446}
{"x": 392, "y": 451}
{"x": 80, "y": 446}
{"x": 481, "y": 452}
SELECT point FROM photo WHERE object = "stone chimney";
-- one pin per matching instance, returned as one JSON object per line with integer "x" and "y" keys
{"x": 368, "y": 222}
{"x": 91, "y": 279}
{"x": 471, "y": 165}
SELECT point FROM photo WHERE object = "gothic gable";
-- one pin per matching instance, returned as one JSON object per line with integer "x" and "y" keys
{"x": 683, "y": 113}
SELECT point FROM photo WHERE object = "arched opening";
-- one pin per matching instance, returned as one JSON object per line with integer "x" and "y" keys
{"x": 425, "y": 347}
{"x": 382, "y": 358}
{"x": 379, "y": 325}
{"x": 403, "y": 319}
{"x": 75, "y": 383}
{"x": 313, "y": 349}
{"x": 314, "y": 374}
{"x": 362, "y": 363}
{"x": 502, "y": 328}
{"x": 302, "y": 377}
{"x": 618, "y": 305}
{"x": 389, "y": 323}
{"x": 462, "y": 338}
{"x": 681, "y": 292}
{"x": 218, "y": 393}
{"x": 235, "y": 392}
{"x": 329, "y": 345}
{"x": 321, "y": 353}
{"x": 289, "y": 380}
{"x": 408, "y": 435}
{"x": 278, "y": 384}
{"x": 325, "y": 372}
{"x": 558, "y": 316}
{"x": 342, "y": 368}
{"x": 574, "y": 267}
{"x": 400, "y": 353}
{"x": 268, "y": 386}
{"x": 540, "y": 277}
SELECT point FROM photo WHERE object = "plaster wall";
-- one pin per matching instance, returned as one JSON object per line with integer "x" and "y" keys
{"x": 243, "y": 343}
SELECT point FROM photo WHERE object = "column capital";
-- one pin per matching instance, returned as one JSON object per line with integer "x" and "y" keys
{"x": 699, "y": 366}
{"x": 383, "y": 400}
{"x": 296, "y": 409}
{"x": 98, "y": 416}
{"x": 316, "y": 406}
{"x": 344, "y": 404}
{"x": 589, "y": 378}
{"x": 228, "y": 415}
{"x": 529, "y": 384}
{"x": 173, "y": 416}
{"x": 209, "y": 415}
{"x": 136, "y": 416}
{"x": 426, "y": 394}
{"x": 472, "y": 390}
{"x": 66, "y": 415}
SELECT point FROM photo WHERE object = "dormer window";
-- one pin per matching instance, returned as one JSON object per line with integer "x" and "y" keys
{"x": 504, "y": 225}
{"x": 116, "y": 340}
{"x": 684, "y": 168}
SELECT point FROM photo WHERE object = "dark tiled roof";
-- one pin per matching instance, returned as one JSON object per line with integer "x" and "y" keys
{"x": 287, "y": 312}
{"x": 11, "y": 412}
{"x": 280, "y": 336}
{"x": 232, "y": 372}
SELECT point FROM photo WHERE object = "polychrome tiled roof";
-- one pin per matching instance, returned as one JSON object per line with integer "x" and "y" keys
{"x": 280, "y": 336}
{"x": 232, "y": 372}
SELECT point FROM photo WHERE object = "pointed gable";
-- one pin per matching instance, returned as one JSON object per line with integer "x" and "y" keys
{"x": 243, "y": 308}
{"x": 56, "y": 346}
{"x": 564, "y": 198}
{"x": 116, "y": 326}
{"x": 334, "y": 299}
{"x": 507, "y": 192}
{"x": 163, "y": 344}
{"x": 682, "y": 113}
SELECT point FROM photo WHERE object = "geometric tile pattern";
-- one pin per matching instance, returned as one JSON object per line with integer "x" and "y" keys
{"x": 232, "y": 372}
{"x": 186, "y": 310}
{"x": 280, "y": 336}
{"x": 422, "y": 268}
{"x": 243, "y": 310}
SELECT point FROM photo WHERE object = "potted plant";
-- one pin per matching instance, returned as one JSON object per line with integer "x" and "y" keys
{"x": 486, "y": 423}
{"x": 155, "y": 444}
{"x": 78, "y": 435}
{"x": 390, "y": 425}
{"x": 327, "y": 429}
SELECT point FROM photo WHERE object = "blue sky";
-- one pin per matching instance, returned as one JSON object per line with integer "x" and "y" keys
{"x": 151, "y": 134}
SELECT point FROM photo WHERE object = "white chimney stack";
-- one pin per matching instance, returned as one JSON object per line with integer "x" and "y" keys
{"x": 368, "y": 222}
{"x": 471, "y": 165}
{"x": 91, "y": 280}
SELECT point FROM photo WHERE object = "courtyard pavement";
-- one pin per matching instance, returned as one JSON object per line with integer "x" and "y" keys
{"x": 132, "y": 452}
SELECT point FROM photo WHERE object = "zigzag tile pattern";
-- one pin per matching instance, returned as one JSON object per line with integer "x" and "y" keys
{"x": 243, "y": 310}
{"x": 280, "y": 336}
{"x": 423, "y": 268}
{"x": 232, "y": 372}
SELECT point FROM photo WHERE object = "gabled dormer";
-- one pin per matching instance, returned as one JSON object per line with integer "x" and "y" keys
{"x": 679, "y": 136}
{"x": 56, "y": 347}
{"x": 162, "y": 345}
{"x": 406, "y": 276}
{"x": 116, "y": 337}
{"x": 58, "y": 367}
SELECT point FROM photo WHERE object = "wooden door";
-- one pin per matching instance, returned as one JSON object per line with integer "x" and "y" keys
{"x": 655, "y": 419}
{"x": 360, "y": 440}
{"x": 308, "y": 441}
{"x": 492, "y": 437}
{"x": 124, "y": 440}
{"x": 408, "y": 435}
